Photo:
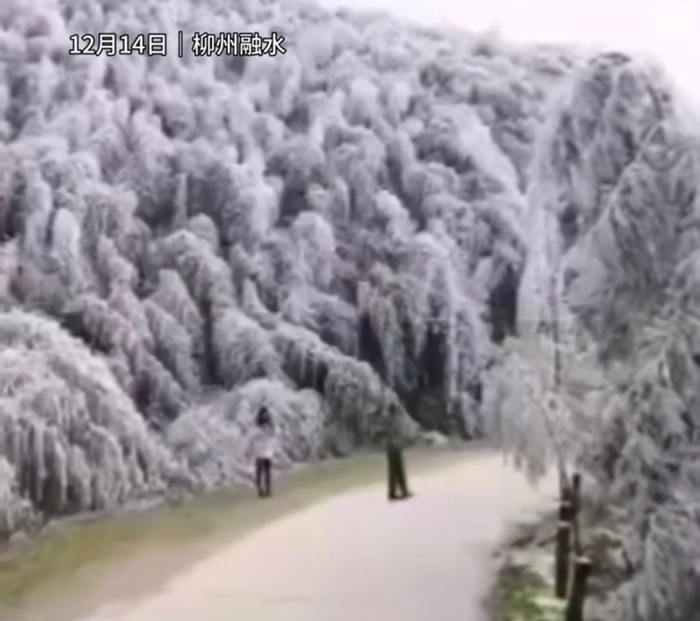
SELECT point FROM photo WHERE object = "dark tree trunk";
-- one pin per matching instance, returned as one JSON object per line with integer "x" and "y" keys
{"x": 574, "y": 608}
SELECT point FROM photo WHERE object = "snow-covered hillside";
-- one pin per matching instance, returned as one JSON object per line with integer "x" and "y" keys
{"x": 317, "y": 230}
{"x": 353, "y": 221}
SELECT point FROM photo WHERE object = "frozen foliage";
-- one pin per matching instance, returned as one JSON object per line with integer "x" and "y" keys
{"x": 212, "y": 439}
{"x": 327, "y": 230}
{"x": 352, "y": 223}
{"x": 613, "y": 266}
{"x": 15, "y": 511}
{"x": 353, "y": 390}
{"x": 70, "y": 437}
{"x": 243, "y": 349}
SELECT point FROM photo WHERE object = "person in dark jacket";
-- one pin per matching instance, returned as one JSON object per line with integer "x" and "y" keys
{"x": 398, "y": 487}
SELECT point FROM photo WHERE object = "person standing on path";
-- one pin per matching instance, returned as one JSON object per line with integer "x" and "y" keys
{"x": 264, "y": 445}
{"x": 398, "y": 487}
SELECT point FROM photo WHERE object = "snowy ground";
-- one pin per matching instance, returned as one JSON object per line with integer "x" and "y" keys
{"x": 356, "y": 556}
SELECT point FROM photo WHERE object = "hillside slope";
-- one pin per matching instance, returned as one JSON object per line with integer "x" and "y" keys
{"x": 319, "y": 230}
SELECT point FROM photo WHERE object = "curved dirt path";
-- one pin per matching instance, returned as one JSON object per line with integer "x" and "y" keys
{"x": 357, "y": 556}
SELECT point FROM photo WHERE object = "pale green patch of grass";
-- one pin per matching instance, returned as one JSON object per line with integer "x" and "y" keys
{"x": 524, "y": 588}
{"x": 522, "y": 594}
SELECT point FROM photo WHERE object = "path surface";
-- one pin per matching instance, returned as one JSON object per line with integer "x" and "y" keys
{"x": 357, "y": 556}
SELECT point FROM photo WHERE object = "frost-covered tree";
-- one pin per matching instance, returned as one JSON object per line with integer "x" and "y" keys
{"x": 614, "y": 252}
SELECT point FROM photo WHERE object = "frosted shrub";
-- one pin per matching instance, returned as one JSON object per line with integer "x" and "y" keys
{"x": 214, "y": 440}
{"x": 71, "y": 434}
{"x": 352, "y": 388}
{"x": 242, "y": 350}
{"x": 207, "y": 276}
{"x": 172, "y": 296}
{"x": 173, "y": 345}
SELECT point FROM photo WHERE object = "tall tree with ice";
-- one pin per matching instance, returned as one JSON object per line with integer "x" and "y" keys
{"x": 618, "y": 227}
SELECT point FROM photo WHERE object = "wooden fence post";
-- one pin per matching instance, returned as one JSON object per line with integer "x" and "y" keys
{"x": 565, "y": 511}
{"x": 575, "y": 512}
{"x": 561, "y": 563}
{"x": 574, "y": 608}
{"x": 576, "y": 488}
